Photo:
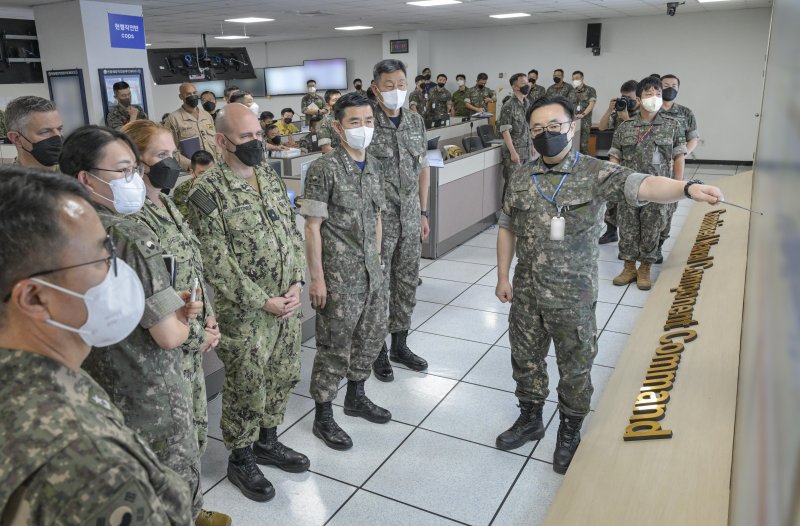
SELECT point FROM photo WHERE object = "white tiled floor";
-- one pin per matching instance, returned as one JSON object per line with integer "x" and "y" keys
{"x": 435, "y": 463}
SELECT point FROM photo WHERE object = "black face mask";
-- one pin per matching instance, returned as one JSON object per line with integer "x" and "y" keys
{"x": 46, "y": 151}
{"x": 251, "y": 153}
{"x": 192, "y": 101}
{"x": 124, "y": 102}
{"x": 532, "y": 81}
{"x": 556, "y": 80}
{"x": 164, "y": 174}
{"x": 276, "y": 140}
{"x": 427, "y": 76}
{"x": 525, "y": 90}
{"x": 358, "y": 86}
{"x": 209, "y": 105}
{"x": 669, "y": 94}
{"x": 287, "y": 120}
{"x": 550, "y": 144}
{"x": 440, "y": 84}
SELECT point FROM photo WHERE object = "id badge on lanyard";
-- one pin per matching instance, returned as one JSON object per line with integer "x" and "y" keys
{"x": 558, "y": 224}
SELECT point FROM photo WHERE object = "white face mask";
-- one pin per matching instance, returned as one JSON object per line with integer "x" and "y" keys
{"x": 312, "y": 89}
{"x": 114, "y": 306}
{"x": 652, "y": 104}
{"x": 358, "y": 138}
{"x": 128, "y": 195}
{"x": 460, "y": 82}
{"x": 394, "y": 99}
{"x": 254, "y": 109}
{"x": 577, "y": 83}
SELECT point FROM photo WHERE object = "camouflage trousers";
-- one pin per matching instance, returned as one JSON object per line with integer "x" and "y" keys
{"x": 509, "y": 166}
{"x": 196, "y": 385}
{"x": 586, "y": 130}
{"x": 350, "y": 332}
{"x": 640, "y": 231}
{"x": 262, "y": 365}
{"x": 668, "y": 227}
{"x": 610, "y": 216}
{"x": 572, "y": 330}
{"x": 401, "y": 275}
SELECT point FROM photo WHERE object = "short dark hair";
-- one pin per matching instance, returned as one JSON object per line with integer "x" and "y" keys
{"x": 628, "y": 86}
{"x": 83, "y": 148}
{"x": 266, "y": 115}
{"x": 578, "y": 72}
{"x": 558, "y": 70}
{"x": 309, "y": 81}
{"x": 230, "y": 89}
{"x": 483, "y": 76}
{"x": 671, "y": 76}
{"x": 418, "y": 78}
{"x": 461, "y": 76}
{"x": 441, "y": 75}
{"x": 287, "y": 110}
{"x": 656, "y": 75}
{"x": 207, "y": 92}
{"x": 19, "y": 110}
{"x": 271, "y": 127}
{"x": 387, "y": 65}
{"x": 358, "y": 80}
{"x": 236, "y": 96}
{"x": 534, "y": 71}
{"x": 549, "y": 100}
{"x": 351, "y": 100}
{"x": 515, "y": 77}
{"x": 426, "y": 68}
{"x": 30, "y": 222}
{"x": 315, "y": 119}
{"x": 330, "y": 93}
{"x": 647, "y": 83}
{"x": 202, "y": 158}
{"x": 121, "y": 85}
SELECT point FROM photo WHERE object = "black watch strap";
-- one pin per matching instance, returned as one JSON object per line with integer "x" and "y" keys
{"x": 688, "y": 184}
{"x": 424, "y": 213}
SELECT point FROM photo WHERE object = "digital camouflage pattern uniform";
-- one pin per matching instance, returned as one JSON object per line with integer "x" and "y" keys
{"x": 3, "y": 129}
{"x": 583, "y": 96}
{"x": 611, "y": 207}
{"x": 646, "y": 147}
{"x": 459, "y": 104}
{"x": 351, "y": 328}
{"x": 119, "y": 116}
{"x": 326, "y": 134}
{"x": 686, "y": 117}
{"x": 143, "y": 380}
{"x": 512, "y": 119}
{"x": 252, "y": 251}
{"x": 168, "y": 225}
{"x": 398, "y": 154}
{"x": 555, "y": 282}
{"x": 565, "y": 90}
{"x": 436, "y": 112}
{"x": 180, "y": 196}
{"x": 309, "y": 99}
{"x": 68, "y": 457}
{"x": 536, "y": 93}
{"x": 418, "y": 102}
{"x": 478, "y": 95}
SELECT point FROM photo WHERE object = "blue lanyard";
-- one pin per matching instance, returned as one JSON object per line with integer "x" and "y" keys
{"x": 558, "y": 188}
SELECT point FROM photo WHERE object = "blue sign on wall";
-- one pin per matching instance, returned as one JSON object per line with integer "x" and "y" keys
{"x": 126, "y": 31}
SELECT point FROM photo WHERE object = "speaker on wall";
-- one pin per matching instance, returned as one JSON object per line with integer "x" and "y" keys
{"x": 593, "y": 35}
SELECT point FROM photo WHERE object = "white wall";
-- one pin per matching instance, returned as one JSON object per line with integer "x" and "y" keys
{"x": 719, "y": 58}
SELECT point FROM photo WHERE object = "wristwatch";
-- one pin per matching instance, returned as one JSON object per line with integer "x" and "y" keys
{"x": 424, "y": 213}
{"x": 688, "y": 184}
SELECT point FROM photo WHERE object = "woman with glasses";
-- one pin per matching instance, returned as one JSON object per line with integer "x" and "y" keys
{"x": 164, "y": 221}
{"x": 143, "y": 373}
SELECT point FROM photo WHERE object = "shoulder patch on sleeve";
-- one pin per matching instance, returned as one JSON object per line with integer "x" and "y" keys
{"x": 201, "y": 200}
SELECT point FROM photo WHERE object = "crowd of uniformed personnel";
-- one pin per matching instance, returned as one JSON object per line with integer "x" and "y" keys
{"x": 113, "y": 290}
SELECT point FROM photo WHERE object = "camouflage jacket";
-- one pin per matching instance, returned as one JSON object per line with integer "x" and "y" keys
{"x": 583, "y": 96}
{"x": 180, "y": 196}
{"x": 459, "y": 104}
{"x": 565, "y": 90}
{"x": 399, "y": 154}
{"x": 144, "y": 381}
{"x": 349, "y": 201}
{"x": 3, "y": 129}
{"x": 564, "y": 273}
{"x": 614, "y": 120}
{"x": 252, "y": 250}
{"x": 648, "y": 147}
{"x": 438, "y": 98}
{"x": 685, "y": 116}
{"x": 512, "y": 119}
{"x": 119, "y": 116}
{"x": 419, "y": 102}
{"x": 476, "y": 96}
{"x": 326, "y": 134}
{"x": 536, "y": 93}
{"x": 307, "y": 100}
{"x": 68, "y": 457}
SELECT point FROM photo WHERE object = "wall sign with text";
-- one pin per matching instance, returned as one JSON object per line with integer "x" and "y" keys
{"x": 398, "y": 46}
{"x": 126, "y": 31}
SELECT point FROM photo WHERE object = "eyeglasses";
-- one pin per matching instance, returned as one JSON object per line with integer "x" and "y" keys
{"x": 111, "y": 260}
{"x": 553, "y": 127}
{"x": 127, "y": 173}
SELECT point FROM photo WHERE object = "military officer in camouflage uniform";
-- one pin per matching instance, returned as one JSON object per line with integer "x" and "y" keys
{"x": 537, "y": 91}
{"x": 479, "y": 95}
{"x": 459, "y": 96}
{"x": 253, "y": 257}
{"x": 652, "y": 144}
{"x": 342, "y": 206}
{"x": 555, "y": 279}
{"x": 585, "y": 99}
{"x": 357, "y": 87}
{"x": 327, "y": 139}
{"x": 559, "y": 87}
{"x": 35, "y": 128}
{"x": 398, "y": 151}
{"x": 513, "y": 127}
{"x": 440, "y": 103}
{"x": 123, "y": 112}
{"x": 200, "y": 163}
{"x": 68, "y": 457}
{"x": 3, "y": 130}
{"x": 312, "y": 98}
{"x": 418, "y": 100}
{"x": 143, "y": 373}
{"x": 670, "y": 84}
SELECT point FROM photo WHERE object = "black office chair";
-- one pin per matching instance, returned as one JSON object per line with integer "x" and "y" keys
{"x": 471, "y": 144}
{"x": 486, "y": 134}
{"x": 603, "y": 143}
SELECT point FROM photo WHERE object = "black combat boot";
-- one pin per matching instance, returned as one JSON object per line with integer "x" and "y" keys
{"x": 569, "y": 436}
{"x": 610, "y": 234}
{"x": 245, "y": 475}
{"x": 659, "y": 255}
{"x": 326, "y": 428}
{"x": 356, "y": 403}
{"x": 529, "y": 426}
{"x": 381, "y": 366}
{"x": 400, "y": 353}
{"x": 269, "y": 452}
